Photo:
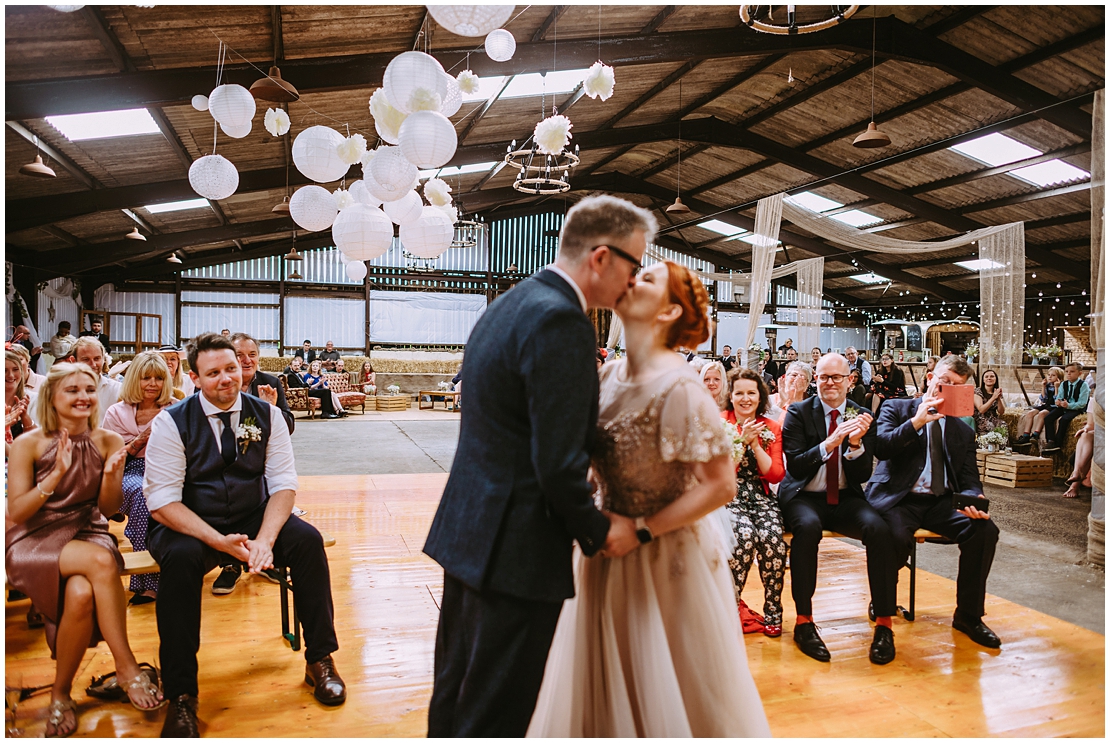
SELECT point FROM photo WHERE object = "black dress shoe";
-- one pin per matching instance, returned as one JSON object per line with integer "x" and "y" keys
{"x": 329, "y": 416}
{"x": 882, "y": 647}
{"x": 977, "y": 631}
{"x": 328, "y": 688}
{"x": 181, "y": 718}
{"x": 810, "y": 643}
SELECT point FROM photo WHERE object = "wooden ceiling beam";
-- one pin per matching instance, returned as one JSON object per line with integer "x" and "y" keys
{"x": 484, "y": 110}
{"x": 552, "y": 18}
{"x": 659, "y": 19}
{"x": 959, "y": 18}
{"x": 1024, "y": 197}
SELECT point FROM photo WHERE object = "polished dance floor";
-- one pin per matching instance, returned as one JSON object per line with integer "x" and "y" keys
{"x": 1047, "y": 680}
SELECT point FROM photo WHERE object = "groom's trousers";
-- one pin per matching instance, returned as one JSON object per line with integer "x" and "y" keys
{"x": 491, "y": 650}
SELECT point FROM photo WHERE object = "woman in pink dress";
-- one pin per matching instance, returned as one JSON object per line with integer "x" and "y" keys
{"x": 62, "y": 478}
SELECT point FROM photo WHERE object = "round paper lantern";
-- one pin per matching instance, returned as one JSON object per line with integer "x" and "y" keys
{"x": 471, "y": 20}
{"x": 316, "y": 155}
{"x": 428, "y": 139}
{"x": 453, "y": 102}
{"x": 356, "y": 270}
{"x": 392, "y": 173}
{"x": 406, "y": 209}
{"x": 313, "y": 208}
{"x": 413, "y": 80}
{"x": 500, "y": 45}
{"x": 362, "y": 195}
{"x": 428, "y": 236}
{"x": 231, "y": 105}
{"x": 363, "y": 233}
{"x": 236, "y": 132}
{"x": 200, "y": 102}
{"x": 65, "y": 8}
{"x": 213, "y": 177}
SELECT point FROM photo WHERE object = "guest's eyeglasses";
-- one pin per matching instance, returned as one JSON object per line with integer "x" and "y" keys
{"x": 636, "y": 264}
{"x": 834, "y": 378}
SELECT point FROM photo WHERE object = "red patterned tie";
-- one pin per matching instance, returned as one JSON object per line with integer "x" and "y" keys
{"x": 832, "y": 466}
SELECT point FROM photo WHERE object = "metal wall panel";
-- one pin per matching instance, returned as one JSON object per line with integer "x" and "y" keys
{"x": 322, "y": 319}
{"x": 229, "y": 310}
{"x": 257, "y": 269}
{"x": 146, "y": 303}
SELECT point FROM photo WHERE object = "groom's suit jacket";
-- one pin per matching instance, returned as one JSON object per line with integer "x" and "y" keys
{"x": 517, "y": 496}
{"x": 803, "y": 430}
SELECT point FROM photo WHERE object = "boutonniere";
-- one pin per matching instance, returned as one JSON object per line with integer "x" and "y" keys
{"x": 766, "y": 437}
{"x": 850, "y": 414}
{"x": 247, "y": 432}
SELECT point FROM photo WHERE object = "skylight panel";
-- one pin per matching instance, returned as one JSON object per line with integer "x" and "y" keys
{"x": 754, "y": 239}
{"x": 104, "y": 124}
{"x": 721, "y": 228}
{"x": 533, "y": 83}
{"x": 813, "y": 202}
{"x": 487, "y": 87}
{"x": 979, "y": 264}
{"x": 1053, "y": 171}
{"x": 996, "y": 149}
{"x": 177, "y": 206}
{"x": 870, "y": 278}
{"x": 457, "y": 170}
{"x": 857, "y": 218}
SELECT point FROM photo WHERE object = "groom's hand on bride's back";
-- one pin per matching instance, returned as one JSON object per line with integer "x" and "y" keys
{"x": 621, "y": 538}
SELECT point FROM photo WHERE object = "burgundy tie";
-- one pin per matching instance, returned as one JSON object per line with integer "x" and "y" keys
{"x": 832, "y": 466}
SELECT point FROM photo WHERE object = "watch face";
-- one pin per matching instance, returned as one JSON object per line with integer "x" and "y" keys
{"x": 644, "y": 535}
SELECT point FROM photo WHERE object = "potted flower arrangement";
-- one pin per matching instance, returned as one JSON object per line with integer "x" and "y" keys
{"x": 1052, "y": 351}
{"x": 993, "y": 441}
{"x": 972, "y": 351}
{"x": 1037, "y": 352}
{"x": 393, "y": 389}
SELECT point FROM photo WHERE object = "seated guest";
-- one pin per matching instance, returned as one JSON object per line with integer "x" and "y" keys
{"x": 728, "y": 361}
{"x": 31, "y": 380}
{"x": 147, "y": 389}
{"x": 258, "y": 383}
{"x": 329, "y": 356}
{"x": 815, "y": 354}
{"x": 62, "y": 479}
{"x": 295, "y": 378}
{"x": 828, "y": 446}
{"x": 61, "y": 345}
{"x": 367, "y": 379}
{"x": 887, "y": 382}
{"x": 860, "y": 364}
{"x": 318, "y": 383}
{"x": 757, "y": 520}
{"x": 22, "y": 336}
{"x": 221, "y": 480}
{"x": 768, "y": 379}
{"x": 1084, "y": 453}
{"x": 225, "y": 333}
{"x": 98, "y": 333}
{"x": 923, "y": 459}
{"x": 857, "y": 393}
{"x": 713, "y": 377}
{"x": 293, "y": 367}
{"x": 1032, "y": 421}
{"x": 87, "y": 350}
{"x": 306, "y": 353}
{"x": 341, "y": 368}
{"x": 795, "y": 382}
{"x": 16, "y": 401}
{"x": 182, "y": 384}
{"x": 1071, "y": 400}
{"x": 989, "y": 405}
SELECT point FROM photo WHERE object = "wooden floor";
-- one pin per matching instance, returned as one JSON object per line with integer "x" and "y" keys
{"x": 1047, "y": 680}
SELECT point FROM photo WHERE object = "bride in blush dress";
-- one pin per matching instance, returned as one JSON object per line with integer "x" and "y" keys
{"x": 651, "y": 645}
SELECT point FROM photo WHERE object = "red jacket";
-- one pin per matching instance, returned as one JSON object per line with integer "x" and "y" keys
{"x": 774, "y": 475}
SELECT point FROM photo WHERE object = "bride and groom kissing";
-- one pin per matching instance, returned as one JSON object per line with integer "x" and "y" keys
{"x": 634, "y": 633}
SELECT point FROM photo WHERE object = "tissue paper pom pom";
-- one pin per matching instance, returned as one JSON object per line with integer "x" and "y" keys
{"x": 552, "y": 134}
{"x": 451, "y": 211}
{"x": 365, "y": 158}
{"x": 468, "y": 82}
{"x": 423, "y": 99}
{"x": 352, "y": 148}
{"x": 437, "y": 192}
{"x": 599, "y": 81}
{"x": 343, "y": 199}
{"x": 277, "y": 121}
{"x": 387, "y": 119}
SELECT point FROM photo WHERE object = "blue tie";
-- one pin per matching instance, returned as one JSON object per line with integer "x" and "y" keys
{"x": 227, "y": 439}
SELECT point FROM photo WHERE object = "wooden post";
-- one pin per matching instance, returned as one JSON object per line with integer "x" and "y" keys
{"x": 177, "y": 307}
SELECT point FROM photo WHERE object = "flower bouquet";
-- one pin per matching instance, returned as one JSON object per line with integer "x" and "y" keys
{"x": 393, "y": 389}
{"x": 992, "y": 441}
{"x": 972, "y": 351}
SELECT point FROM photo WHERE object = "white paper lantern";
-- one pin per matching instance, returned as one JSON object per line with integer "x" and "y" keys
{"x": 213, "y": 177}
{"x": 363, "y": 233}
{"x": 236, "y": 132}
{"x": 471, "y": 20}
{"x": 392, "y": 173}
{"x": 231, "y": 105}
{"x": 316, "y": 154}
{"x": 65, "y": 8}
{"x": 428, "y": 139}
{"x": 428, "y": 236}
{"x": 406, "y": 209}
{"x": 500, "y": 45}
{"x": 453, "y": 102}
{"x": 362, "y": 195}
{"x": 412, "y": 82}
{"x": 356, "y": 270}
{"x": 313, "y": 208}
{"x": 200, "y": 102}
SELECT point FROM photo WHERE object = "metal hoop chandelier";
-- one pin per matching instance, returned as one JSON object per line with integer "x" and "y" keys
{"x": 466, "y": 233}
{"x": 749, "y": 13}
{"x": 542, "y": 174}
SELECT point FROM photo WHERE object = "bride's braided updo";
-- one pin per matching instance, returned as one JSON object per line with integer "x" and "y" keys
{"x": 686, "y": 290}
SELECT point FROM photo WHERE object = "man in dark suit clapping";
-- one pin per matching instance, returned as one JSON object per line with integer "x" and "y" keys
{"x": 925, "y": 457}
{"x": 828, "y": 446}
{"x": 517, "y": 497}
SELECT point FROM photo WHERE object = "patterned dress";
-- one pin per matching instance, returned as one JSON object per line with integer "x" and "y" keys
{"x": 138, "y": 518}
{"x": 991, "y": 419}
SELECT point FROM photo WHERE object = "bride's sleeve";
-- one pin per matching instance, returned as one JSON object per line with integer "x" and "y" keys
{"x": 690, "y": 427}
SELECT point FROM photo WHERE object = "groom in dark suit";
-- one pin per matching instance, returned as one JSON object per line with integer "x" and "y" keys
{"x": 517, "y": 497}
{"x": 828, "y": 446}
{"x": 923, "y": 459}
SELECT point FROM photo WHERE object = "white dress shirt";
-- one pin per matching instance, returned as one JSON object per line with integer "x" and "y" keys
{"x": 924, "y": 483}
{"x": 577, "y": 289}
{"x": 165, "y": 454}
{"x": 108, "y": 394}
{"x": 817, "y": 484}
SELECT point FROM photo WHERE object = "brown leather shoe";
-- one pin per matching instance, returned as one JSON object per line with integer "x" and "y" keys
{"x": 329, "y": 688}
{"x": 181, "y": 718}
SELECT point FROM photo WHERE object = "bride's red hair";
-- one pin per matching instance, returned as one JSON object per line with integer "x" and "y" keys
{"x": 686, "y": 290}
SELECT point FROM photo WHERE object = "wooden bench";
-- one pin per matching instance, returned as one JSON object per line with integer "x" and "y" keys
{"x": 432, "y": 395}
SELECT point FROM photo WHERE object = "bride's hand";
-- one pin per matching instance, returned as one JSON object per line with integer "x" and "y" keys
{"x": 621, "y": 538}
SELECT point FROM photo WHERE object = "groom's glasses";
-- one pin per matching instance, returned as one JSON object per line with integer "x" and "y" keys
{"x": 636, "y": 265}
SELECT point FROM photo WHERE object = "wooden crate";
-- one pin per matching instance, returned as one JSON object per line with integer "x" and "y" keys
{"x": 391, "y": 403}
{"x": 1016, "y": 470}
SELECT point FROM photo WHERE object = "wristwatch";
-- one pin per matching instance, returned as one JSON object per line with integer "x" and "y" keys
{"x": 643, "y": 532}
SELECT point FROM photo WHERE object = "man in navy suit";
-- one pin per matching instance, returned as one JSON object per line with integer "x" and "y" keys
{"x": 925, "y": 457}
{"x": 517, "y": 497}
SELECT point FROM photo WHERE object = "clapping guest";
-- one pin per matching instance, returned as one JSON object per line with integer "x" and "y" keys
{"x": 713, "y": 377}
{"x": 317, "y": 383}
{"x": 88, "y": 351}
{"x": 31, "y": 381}
{"x": 793, "y": 388}
{"x": 857, "y": 393}
{"x": 182, "y": 384}
{"x": 1071, "y": 400}
{"x": 989, "y": 405}
{"x": 756, "y": 517}
{"x": 147, "y": 388}
{"x": 815, "y": 354}
{"x": 16, "y": 401}
{"x": 367, "y": 379}
{"x": 61, "y": 345}
{"x": 1032, "y": 421}
{"x": 887, "y": 382}
{"x": 329, "y": 356}
{"x": 22, "y": 337}
{"x": 258, "y": 383}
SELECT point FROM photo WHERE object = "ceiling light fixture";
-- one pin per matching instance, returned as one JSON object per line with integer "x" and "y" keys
{"x": 37, "y": 169}
{"x": 678, "y": 207}
{"x": 750, "y": 15}
{"x": 872, "y": 138}
{"x": 273, "y": 88}
{"x": 134, "y": 234}
{"x": 173, "y": 258}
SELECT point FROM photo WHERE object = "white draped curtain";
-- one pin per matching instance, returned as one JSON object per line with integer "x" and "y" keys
{"x": 768, "y": 219}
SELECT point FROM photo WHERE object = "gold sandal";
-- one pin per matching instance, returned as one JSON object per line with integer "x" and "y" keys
{"x": 56, "y": 715}
{"x": 147, "y": 682}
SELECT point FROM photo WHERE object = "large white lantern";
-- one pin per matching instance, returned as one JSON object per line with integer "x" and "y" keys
{"x": 415, "y": 81}
{"x": 363, "y": 233}
{"x": 316, "y": 155}
{"x": 453, "y": 102}
{"x": 428, "y": 139}
{"x": 213, "y": 177}
{"x": 471, "y": 20}
{"x": 500, "y": 45}
{"x": 356, "y": 270}
{"x": 231, "y": 105}
{"x": 313, "y": 208}
{"x": 236, "y": 132}
{"x": 406, "y": 209}
{"x": 360, "y": 193}
{"x": 428, "y": 236}
{"x": 392, "y": 174}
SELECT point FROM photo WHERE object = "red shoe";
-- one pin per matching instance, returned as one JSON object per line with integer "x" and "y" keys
{"x": 749, "y": 620}
{"x": 773, "y": 630}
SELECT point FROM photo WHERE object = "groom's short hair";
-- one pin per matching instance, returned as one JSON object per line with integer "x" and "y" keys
{"x": 595, "y": 219}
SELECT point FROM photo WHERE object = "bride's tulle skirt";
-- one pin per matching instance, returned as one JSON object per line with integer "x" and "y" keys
{"x": 651, "y": 646}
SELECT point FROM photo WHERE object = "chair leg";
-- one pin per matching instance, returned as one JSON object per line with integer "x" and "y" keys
{"x": 291, "y": 634}
{"x": 909, "y": 615}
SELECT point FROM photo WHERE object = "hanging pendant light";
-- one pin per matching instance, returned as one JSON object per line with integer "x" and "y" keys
{"x": 293, "y": 255}
{"x": 678, "y": 207}
{"x": 273, "y": 88}
{"x": 295, "y": 275}
{"x": 872, "y": 138}
{"x": 173, "y": 258}
{"x": 134, "y": 234}
{"x": 37, "y": 169}
{"x": 282, "y": 208}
